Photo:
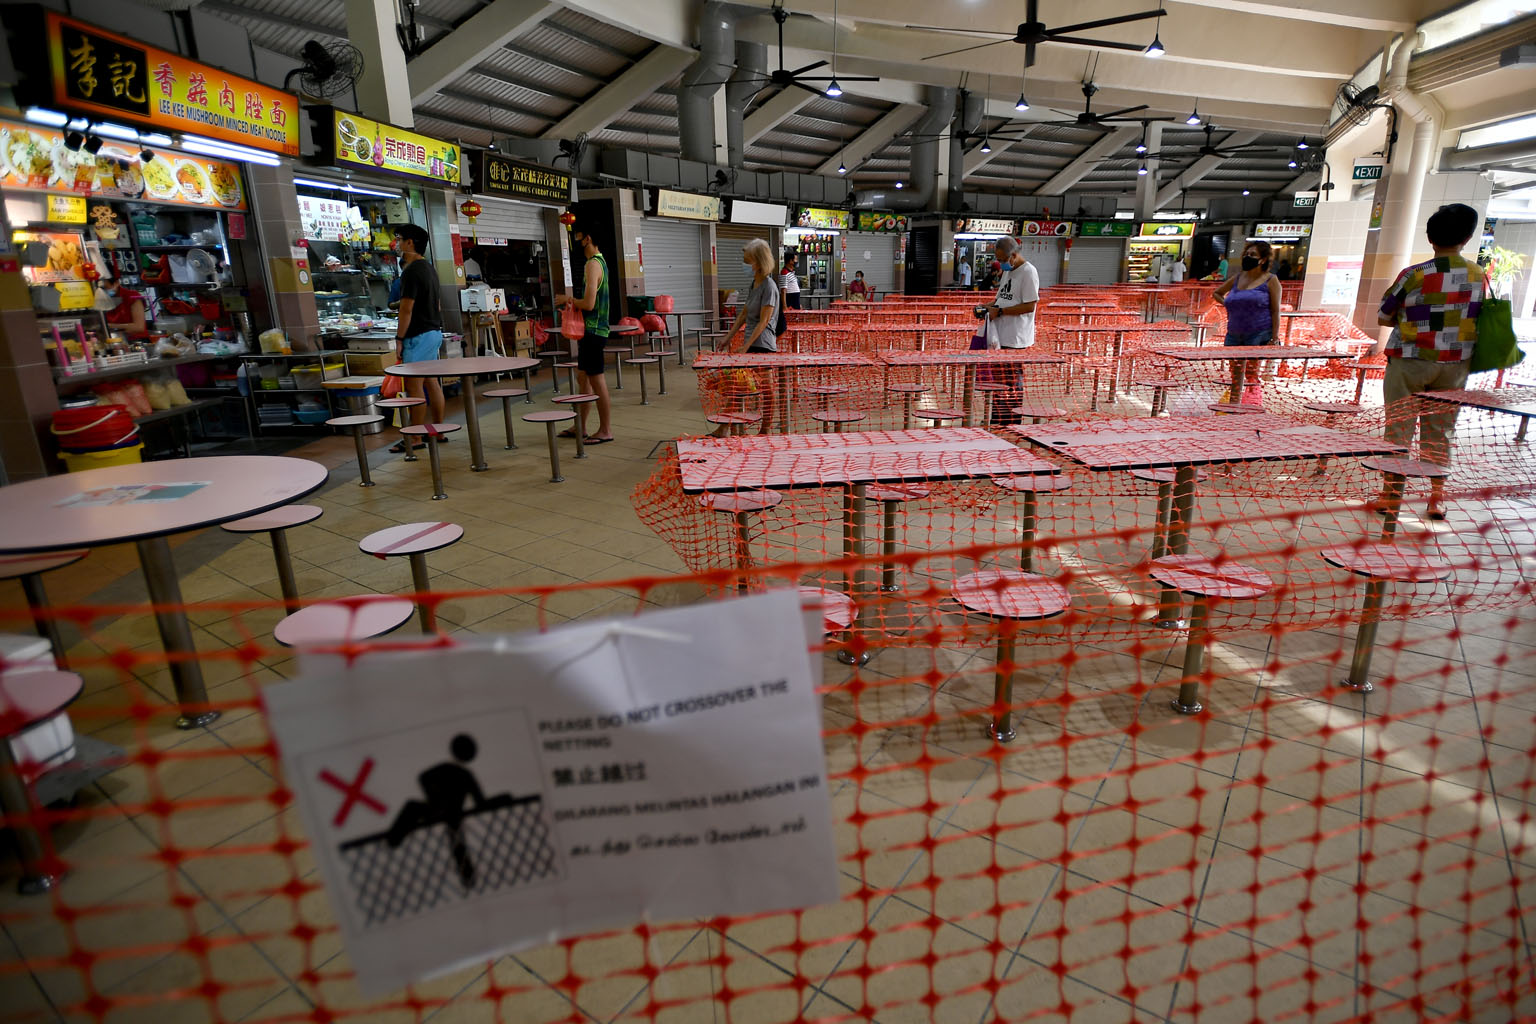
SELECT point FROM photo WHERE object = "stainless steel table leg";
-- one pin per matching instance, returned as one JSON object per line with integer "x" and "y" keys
{"x": 506, "y": 415}
{"x": 16, "y": 800}
{"x": 175, "y": 633}
{"x": 554, "y": 456}
{"x": 1176, "y": 532}
{"x": 472, "y": 424}
{"x": 1393, "y": 486}
{"x": 420, "y": 582}
{"x": 1027, "y": 528}
{"x": 285, "y": 578}
{"x": 888, "y": 548}
{"x": 1001, "y": 727}
{"x": 968, "y": 395}
{"x": 854, "y": 584}
{"x": 436, "y": 460}
{"x": 1359, "y": 678}
{"x": 47, "y": 625}
{"x": 1188, "y": 700}
{"x": 362, "y": 457}
{"x": 661, "y": 375}
{"x": 528, "y": 385}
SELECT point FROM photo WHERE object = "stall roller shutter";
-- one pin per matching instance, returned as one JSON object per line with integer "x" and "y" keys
{"x": 673, "y": 263}
{"x": 732, "y": 272}
{"x": 500, "y": 218}
{"x": 880, "y": 268}
{"x": 1095, "y": 261}
{"x": 1045, "y": 255}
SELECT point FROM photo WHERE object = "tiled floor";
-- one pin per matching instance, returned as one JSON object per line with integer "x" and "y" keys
{"x": 1300, "y": 853}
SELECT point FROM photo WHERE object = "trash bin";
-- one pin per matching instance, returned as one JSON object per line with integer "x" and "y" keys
{"x": 361, "y": 403}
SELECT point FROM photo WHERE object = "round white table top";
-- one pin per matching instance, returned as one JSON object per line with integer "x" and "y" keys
{"x": 337, "y": 622}
{"x": 148, "y": 499}
{"x": 467, "y": 366}
{"x": 410, "y": 538}
{"x": 276, "y": 519}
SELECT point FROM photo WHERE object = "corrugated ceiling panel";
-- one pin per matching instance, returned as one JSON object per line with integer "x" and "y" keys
{"x": 567, "y": 50}
{"x": 536, "y": 72}
{"x": 453, "y": 11}
{"x": 495, "y": 90}
{"x": 602, "y": 32}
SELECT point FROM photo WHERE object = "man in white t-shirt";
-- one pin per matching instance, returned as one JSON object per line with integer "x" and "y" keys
{"x": 1013, "y": 309}
{"x": 965, "y": 273}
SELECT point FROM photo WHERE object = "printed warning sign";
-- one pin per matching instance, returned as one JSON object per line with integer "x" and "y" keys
{"x": 470, "y": 801}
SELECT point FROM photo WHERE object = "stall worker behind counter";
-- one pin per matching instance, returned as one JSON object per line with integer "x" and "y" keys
{"x": 128, "y": 311}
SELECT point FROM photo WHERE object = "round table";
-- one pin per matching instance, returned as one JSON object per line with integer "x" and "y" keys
{"x": 145, "y": 503}
{"x": 678, "y": 314}
{"x": 466, "y": 369}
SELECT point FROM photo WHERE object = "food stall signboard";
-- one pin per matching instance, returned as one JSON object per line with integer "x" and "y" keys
{"x": 1167, "y": 229}
{"x": 869, "y": 220}
{"x": 499, "y": 176}
{"x": 324, "y": 219}
{"x": 104, "y": 73}
{"x": 1046, "y": 228}
{"x": 1282, "y": 230}
{"x": 351, "y": 140}
{"x": 66, "y": 209}
{"x": 984, "y": 226}
{"x": 686, "y": 205}
{"x": 821, "y": 218}
{"x": 34, "y": 159}
{"x": 1106, "y": 229}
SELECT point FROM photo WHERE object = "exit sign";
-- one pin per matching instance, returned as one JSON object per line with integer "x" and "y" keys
{"x": 1304, "y": 199}
{"x": 1368, "y": 168}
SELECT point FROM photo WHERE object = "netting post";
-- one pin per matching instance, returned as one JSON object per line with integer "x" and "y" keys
{"x": 1359, "y": 678}
{"x": 17, "y": 800}
{"x": 1001, "y": 727}
{"x": 1188, "y": 700}
{"x": 175, "y": 632}
{"x": 853, "y": 580}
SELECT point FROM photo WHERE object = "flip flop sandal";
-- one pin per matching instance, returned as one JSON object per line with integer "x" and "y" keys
{"x": 569, "y": 432}
{"x": 399, "y": 448}
{"x": 596, "y": 440}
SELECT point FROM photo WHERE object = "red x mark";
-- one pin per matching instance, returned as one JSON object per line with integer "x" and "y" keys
{"x": 352, "y": 793}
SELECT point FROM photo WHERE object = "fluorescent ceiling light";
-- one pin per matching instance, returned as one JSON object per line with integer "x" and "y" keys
{"x": 336, "y": 186}
{"x": 42, "y": 115}
{"x": 208, "y": 147}
{"x": 117, "y": 131}
{"x": 1494, "y": 134}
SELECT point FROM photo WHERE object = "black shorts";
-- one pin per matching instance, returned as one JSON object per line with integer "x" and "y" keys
{"x": 792, "y": 300}
{"x": 590, "y": 357}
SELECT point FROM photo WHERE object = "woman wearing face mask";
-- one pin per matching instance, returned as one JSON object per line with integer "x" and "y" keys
{"x": 757, "y": 318}
{"x": 1252, "y": 298}
{"x": 129, "y": 312}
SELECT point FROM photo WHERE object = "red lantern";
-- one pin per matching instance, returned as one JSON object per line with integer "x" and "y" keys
{"x": 470, "y": 209}
{"x": 568, "y": 218}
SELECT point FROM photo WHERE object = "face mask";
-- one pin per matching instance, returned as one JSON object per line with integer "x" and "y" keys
{"x": 1250, "y": 262}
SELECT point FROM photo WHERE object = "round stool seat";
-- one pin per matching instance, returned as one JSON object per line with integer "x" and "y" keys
{"x": 837, "y": 611}
{"x": 360, "y": 420}
{"x": 1340, "y": 408}
{"x": 403, "y": 402}
{"x": 896, "y": 492}
{"x": 618, "y": 348}
{"x": 1039, "y": 410}
{"x": 12, "y": 566}
{"x": 568, "y": 364}
{"x": 1235, "y": 408}
{"x": 837, "y": 416}
{"x": 1399, "y": 466}
{"x": 899, "y": 389}
{"x": 342, "y": 623}
{"x": 938, "y": 414}
{"x": 1163, "y": 476}
{"x": 1196, "y": 574}
{"x": 642, "y": 360}
{"x": 733, "y": 419}
{"x": 1037, "y": 482}
{"x": 505, "y": 393}
{"x": 549, "y": 416}
{"x": 661, "y": 352}
{"x": 1366, "y": 366}
{"x": 825, "y": 389}
{"x": 1155, "y": 382}
{"x": 27, "y": 698}
{"x": 280, "y": 518}
{"x": 1011, "y": 594}
{"x": 572, "y": 400}
{"x": 410, "y": 539}
{"x": 430, "y": 429}
{"x": 740, "y": 501}
{"x": 989, "y": 386}
{"x": 1386, "y": 561}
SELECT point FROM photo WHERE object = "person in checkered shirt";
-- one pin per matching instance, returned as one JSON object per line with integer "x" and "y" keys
{"x": 1432, "y": 309}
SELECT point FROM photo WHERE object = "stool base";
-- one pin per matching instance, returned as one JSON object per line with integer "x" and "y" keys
{"x": 847, "y": 657}
{"x": 1007, "y": 735}
{"x": 1171, "y": 624}
{"x": 1365, "y": 686}
{"x": 1192, "y": 708}
{"x": 186, "y": 721}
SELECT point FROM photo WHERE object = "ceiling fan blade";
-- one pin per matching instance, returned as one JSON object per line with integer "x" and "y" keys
{"x": 1000, "y": 36}
{"x": 837, "y": 78}
{"x": 1103, "y": 22}
{"x": 1029, "y": 54}
{"x": 965, "y": 49}
{"x": 1105, "y": 43}
{"x": 807, "y": 88}
{"x": 797, "y": 72}
{"x": 1122, "y": 112}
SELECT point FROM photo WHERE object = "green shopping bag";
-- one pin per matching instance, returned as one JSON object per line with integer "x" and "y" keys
{"x": 1496, "y": 348}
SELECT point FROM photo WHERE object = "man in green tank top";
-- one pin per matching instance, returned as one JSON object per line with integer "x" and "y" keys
{"x": 594, "y": 304}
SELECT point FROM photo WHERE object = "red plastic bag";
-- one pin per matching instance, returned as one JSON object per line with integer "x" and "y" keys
{"x": 663, "y": 303}
{"x": 653, "y": 324}
{"x": 572, "y": 324}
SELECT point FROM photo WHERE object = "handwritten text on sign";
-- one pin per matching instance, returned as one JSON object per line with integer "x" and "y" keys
{"x": 661, "y": 767}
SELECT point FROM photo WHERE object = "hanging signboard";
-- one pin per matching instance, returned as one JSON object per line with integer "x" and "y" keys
{"x": 82, "y": 68}
{"x": 34, "y": 159}
{"x": 66, "y": 209}
{"x": 869, "y": 220}
{"x": 684, "y": 205}
{"x": 821, "y": 218}
{"x": 1282, "y": 230}
{"x": 773, "y": 215}
{"x": 1368, "y": 168}
{"x": 1038, "y": 228}
{"x": 1167, "y": 229}
{"x": 500, "y": 176}
{"x": 351, "y": 140}
{"x": 985, "y": 226}
{"x": 1106, "y": 229}
{"x": 324, "y": 219}
{"x": 1303, "y": 199}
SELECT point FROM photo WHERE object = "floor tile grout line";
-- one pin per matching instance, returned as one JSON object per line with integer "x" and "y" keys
{"x": 645, "y": 985}
{"x": 36, "y": 981}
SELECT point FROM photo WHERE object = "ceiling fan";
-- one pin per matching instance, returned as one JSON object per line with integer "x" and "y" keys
{"x": 1032, "y": 32}
{"x": 797, "y": 77}
{"x": 1209, "y": 148}
{"x": 1088, "y": 119}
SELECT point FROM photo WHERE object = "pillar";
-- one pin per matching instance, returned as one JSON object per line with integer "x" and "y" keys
{"x": 275, "y": 206}
{"x": 383, "y": 89}
{"x": 27, "y": 395}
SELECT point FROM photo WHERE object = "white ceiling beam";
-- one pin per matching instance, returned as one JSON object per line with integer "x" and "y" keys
{"x": 672, "y": 22}
{"x": 1200, "y": 168}
{"x": 872, "y": 139}
{"x": 1365, "y": 15}
{"x": 613, "y": 100}
{"x": 975, "y": 160}
{"x": 1303, "y": 182}
{"x": 479, "y": 36}
{"x": 1081, "y": 164}
{"x": 773, "y": 110}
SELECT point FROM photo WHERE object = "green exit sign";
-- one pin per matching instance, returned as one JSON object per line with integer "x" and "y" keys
{"x": 1305, "y": 199}
{"x": 1368, "y": 169}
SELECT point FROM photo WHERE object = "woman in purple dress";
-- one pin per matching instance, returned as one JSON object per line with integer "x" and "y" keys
{"x": 1252, "y": 298}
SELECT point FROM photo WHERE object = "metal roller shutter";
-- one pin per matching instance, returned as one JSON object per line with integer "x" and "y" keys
{"x": 729, "y": 243}
{"x": 880, "y": 265}
{"x": 1045, "y": 254}
{"x": 502, "y": 218}
{"x": 1095, "y": 261}
{"x": 673, "y": 264}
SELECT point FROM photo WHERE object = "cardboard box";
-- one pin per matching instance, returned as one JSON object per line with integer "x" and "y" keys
{"x": 522, "y": 330}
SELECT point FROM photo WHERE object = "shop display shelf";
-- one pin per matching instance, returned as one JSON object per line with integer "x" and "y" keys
{"x": 60, "y": 378}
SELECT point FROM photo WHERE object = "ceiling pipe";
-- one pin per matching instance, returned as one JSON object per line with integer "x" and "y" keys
{"x": 971, "y": 108}
{"x": 695, "y": 97}
{"x": 924, "y": 175}
{"x": 749, "y": 78}
{"x": 1426, "y": 132}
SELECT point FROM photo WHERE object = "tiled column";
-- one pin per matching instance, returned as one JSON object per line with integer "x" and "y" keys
{"x": 27, "y": 395}
{"x": 275, "y": 204}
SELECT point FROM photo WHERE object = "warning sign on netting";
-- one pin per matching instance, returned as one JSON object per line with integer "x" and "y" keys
{"x": 468, "y": 801}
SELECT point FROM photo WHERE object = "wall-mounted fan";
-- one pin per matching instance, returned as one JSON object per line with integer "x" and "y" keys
{"x": 1032, "y": 32}
{"x": 329, "y": 69}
